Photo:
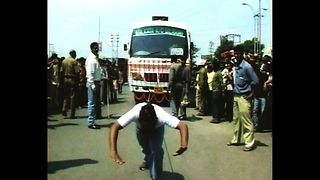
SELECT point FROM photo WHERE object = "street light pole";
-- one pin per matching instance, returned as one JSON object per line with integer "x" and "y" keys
{"x": 254, "y": 28}
{"x": 257, "y": 23}
{"x": 259, "y": 31}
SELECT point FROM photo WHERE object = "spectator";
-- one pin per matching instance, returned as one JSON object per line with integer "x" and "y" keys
{"x": 70, "y": 73}
{"x": 244, "y": 80}
{"x": 93, "y": 70}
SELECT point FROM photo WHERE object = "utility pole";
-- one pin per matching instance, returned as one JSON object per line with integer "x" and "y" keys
{"x": 257, "y": 25}
{"x": 99, "y": 42}
{"x": 255, "y": 39}
{"x": 51, "y": 49}
{"x": 259, "y": 31}
{"x": 115, "y": 39}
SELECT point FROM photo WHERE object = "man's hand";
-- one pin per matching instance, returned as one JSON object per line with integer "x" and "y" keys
{"x": 181, "y": 150}
{"x": 248, "y": 96}
{"x": 116, "y": 158}
{"x": 93, "y": 87}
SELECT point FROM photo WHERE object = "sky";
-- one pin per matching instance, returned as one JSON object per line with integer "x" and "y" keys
{"x": 74, "y": 24}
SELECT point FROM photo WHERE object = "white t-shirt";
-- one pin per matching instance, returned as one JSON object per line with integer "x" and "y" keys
{"x": 162, "y": 115}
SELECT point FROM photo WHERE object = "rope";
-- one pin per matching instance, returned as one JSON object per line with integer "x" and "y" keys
{"x": 165, "y": 145}
{"x": 148, "y": 100}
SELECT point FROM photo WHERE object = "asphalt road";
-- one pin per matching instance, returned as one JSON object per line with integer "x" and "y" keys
{"x": 76, "y": 152}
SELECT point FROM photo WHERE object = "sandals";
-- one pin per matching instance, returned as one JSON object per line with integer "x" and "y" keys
{"x": 232, "y": 144}
{"x": 249, "y": 148}
{"x": 244, "y": 149}
{"x": 143, "y": 166}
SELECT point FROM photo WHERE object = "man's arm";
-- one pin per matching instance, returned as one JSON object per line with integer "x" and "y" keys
{"x": 113, "y": 138}
{"x": 184, "y": 138}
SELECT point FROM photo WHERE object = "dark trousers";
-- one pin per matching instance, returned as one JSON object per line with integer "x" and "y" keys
{"x": 217, "y": 105}
{"x": 228, "y": 104}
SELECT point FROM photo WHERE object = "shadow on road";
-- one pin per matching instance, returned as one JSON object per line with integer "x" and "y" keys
{"x": 53, "y": 126}
{"x": 259, "y": 143}
{"x": 194, "y": 118}
{"x": 81, "y": 117}
{"x": 119, "y": 101}
{"x": 106, "y": 125}
{"x": 60, "y": 165}
{"x": 171, "y": 176}
{"x": 114, "y": 116}
{"x": 111, "y": 116}
{"x": 53, "y": 111}
{"x": 52, "y": 119}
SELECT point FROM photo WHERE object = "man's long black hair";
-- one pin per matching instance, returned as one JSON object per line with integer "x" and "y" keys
{"x": 147, "y": 118}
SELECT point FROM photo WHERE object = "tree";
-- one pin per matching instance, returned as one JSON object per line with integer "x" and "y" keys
{"x": 248, "y": 46}
{"x": 225, "y": 45}
{"x": 194, "y": 51}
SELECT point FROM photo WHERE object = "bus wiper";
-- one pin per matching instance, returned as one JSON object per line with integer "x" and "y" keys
{"x": 154, "y": 52}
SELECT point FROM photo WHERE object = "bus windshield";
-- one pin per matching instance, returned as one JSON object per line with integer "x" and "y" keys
{"x": 158, "y": 41}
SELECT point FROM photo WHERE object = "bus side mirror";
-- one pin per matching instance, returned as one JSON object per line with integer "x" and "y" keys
{"x": 192, "y": 45}
{"x": 125, "y": 47}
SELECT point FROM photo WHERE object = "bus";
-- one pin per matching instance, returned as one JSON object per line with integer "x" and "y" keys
{"x": 151, "y": 47}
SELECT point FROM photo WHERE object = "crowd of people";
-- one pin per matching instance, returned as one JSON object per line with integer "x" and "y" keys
{"x": 238, "y": 90}
{"x": 216, "y": 79}
{"x": 67, "y": 86}
{"x": 67, "y": 83}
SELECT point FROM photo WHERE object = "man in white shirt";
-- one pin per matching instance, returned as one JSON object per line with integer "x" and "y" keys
{"x": 93, "y": 70}
{"x": 150, "y": 120}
